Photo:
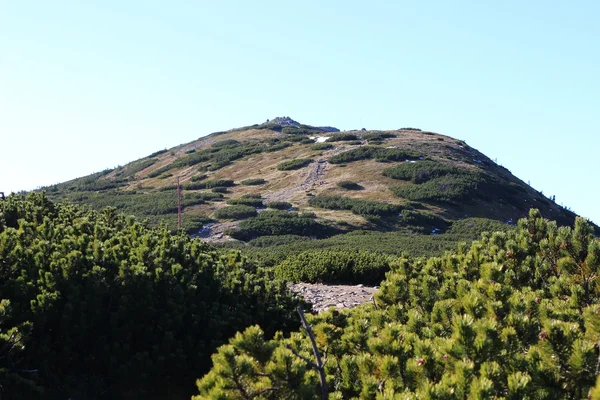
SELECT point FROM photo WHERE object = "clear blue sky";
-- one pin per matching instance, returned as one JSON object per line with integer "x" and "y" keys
{"x": 89, "y": 85}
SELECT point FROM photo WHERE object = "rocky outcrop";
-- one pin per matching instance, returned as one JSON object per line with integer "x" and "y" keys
{"x": 323, "y": 297}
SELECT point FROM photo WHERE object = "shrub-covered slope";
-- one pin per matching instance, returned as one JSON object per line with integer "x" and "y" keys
{"x": 514, "y": 316}
{"x": 95, "y": 306}
{"x": 405, "y": 180}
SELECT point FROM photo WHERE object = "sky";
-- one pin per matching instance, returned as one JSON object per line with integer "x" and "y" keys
{"x": 86, "y": 86}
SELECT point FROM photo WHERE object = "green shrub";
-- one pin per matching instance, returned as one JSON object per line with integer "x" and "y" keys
{"x": 474, "y": 227}
{"x": 220, "y": 189}
{"x": 269, "y": 241}
{"x": 168, "y": 188}
{"x": 322, "y": 146}
{"x": 235, "y": 212}
{"x": 269, "y": 126}
{"x": 190, "y": 151}
{"x": 365, "y": 208}
{"x": 207, "y": 196}
{"x": 225, "y": 143}
{"x": 279, "y": 205}
{"x": 159, "y": 171}
{"x": 270, "y": 223}
{"x": 253, "y": 182}
{"x": 219, "y": 183}
{"x": 252, "y": 196}
{"x": 293, "y": 164}
{"x": 341, "y": 137}
{"x": 278, "y": 146}
{"x": 194, "y": 186}
{"x": 423, "y": 222}
{"x": 248, "y": 201}
{"x": 290, "y": 130}
{"x": 157, "y": 153}
{"x": 349, "y": 185}
{"x": 135, "y": 167}
{"x": 378, "y": 136}
{"x": 422, "y": 171}
{"x": 373, "y": 152}
{"x": 450, "y": 188}
{"x": 197, "y": 178}
{"x": 335, "y": 267}
{"x": 294, "y": 138}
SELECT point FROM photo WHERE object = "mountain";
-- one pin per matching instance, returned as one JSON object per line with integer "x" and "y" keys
{"x": 283, "y": 182}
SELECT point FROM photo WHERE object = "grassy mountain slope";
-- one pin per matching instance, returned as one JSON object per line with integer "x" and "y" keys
{"x": 318, "y": 183}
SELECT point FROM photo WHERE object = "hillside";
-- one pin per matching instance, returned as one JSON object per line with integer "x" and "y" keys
{"x": 291, "y": 183}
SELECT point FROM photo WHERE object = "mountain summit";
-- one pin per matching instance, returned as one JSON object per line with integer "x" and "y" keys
{"x": 283, "y": 182}
{"x": 288, "y": 122}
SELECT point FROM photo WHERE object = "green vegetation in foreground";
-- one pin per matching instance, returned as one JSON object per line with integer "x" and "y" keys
{"x": 95, "y": 305}
{"x": 514, "y": 316}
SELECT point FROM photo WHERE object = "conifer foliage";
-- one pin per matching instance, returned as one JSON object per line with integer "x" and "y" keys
{"x": 516, "y": 315}
{"x": 97, "y": 306}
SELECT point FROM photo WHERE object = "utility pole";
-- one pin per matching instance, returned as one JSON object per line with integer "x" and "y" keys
{"x": 178, "y": 204}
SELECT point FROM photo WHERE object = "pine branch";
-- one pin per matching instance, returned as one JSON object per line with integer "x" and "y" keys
{"x": 319, "y": 365}
{"x": 300, "y": 356}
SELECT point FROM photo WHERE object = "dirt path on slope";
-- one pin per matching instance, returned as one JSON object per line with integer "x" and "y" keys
{"x": 339, "y": 296}
{"x": 215, "y": 232}
{"x": 316, "y": 171}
